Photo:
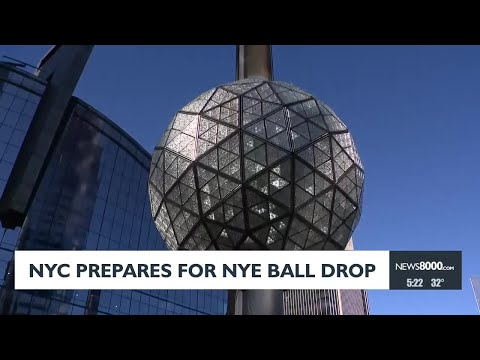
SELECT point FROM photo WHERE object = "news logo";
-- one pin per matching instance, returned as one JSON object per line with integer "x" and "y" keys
{"x": 426, "y": 270}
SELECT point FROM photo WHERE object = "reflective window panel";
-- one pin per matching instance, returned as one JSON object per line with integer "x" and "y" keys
{"x": 94, "y": 196}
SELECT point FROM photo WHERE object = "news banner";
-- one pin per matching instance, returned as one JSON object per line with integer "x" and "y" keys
{"x": 409, "y": 270}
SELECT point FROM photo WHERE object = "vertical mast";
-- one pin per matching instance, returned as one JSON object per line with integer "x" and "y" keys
{"x": 254, "y": 61}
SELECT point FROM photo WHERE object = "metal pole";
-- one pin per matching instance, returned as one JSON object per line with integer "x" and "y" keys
{"x": 259, "y": 302}
{"x": 255, "y": 61}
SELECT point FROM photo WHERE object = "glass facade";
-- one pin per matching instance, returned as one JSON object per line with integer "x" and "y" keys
{"x": 326, "y": 302}
{"x": 311, "y": 302}
{"x": 354, "y": 302}
{"x": 93, "y": 195}
{"x": 20, "y": 94}
{"x": 256, "y": 165}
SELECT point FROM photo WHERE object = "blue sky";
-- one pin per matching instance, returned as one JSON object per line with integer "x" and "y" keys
{"x": 414, "y": 112}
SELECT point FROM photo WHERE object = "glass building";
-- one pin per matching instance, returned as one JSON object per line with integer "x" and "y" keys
{"x": 353, "y": 302}
{"x": 20, "y": 94}
{"x": 311, "y": 302}
{"x": 91, "y": 195}
{"x": 326, "y": 302}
